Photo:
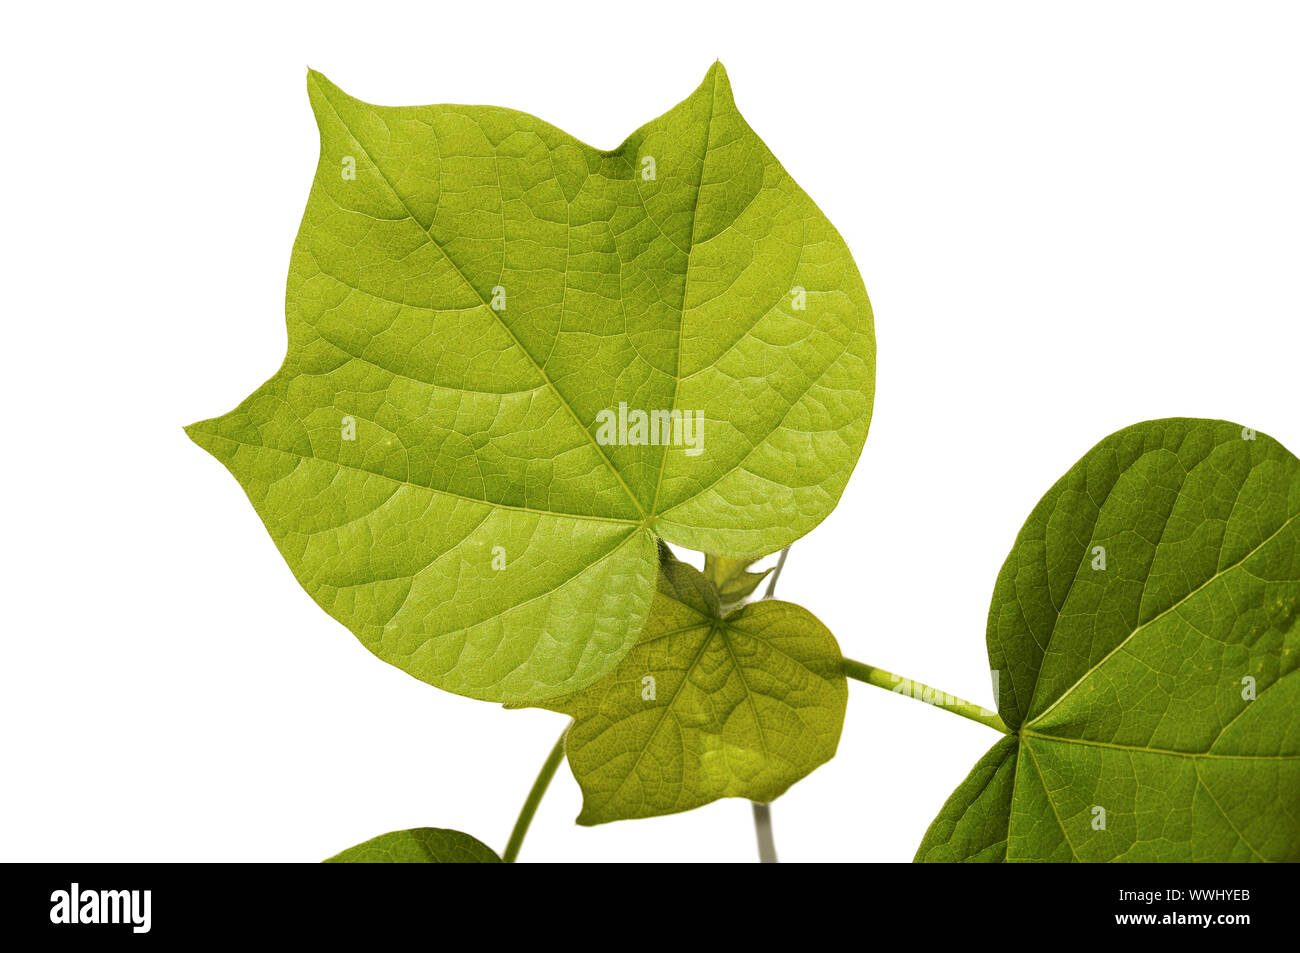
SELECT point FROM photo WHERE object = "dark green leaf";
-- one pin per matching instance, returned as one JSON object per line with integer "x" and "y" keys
{"x": 1144, "y": 633}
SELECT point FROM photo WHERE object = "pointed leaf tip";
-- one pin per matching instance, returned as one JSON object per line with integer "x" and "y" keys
{"x": 721, "y": 83}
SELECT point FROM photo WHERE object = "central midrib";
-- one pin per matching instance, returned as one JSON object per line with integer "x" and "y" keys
{"x": 430, "y": 240}
{"x": 1026, "y": 734}
{"x": 686, "y": 280}
{"x": 1128, "y": 638}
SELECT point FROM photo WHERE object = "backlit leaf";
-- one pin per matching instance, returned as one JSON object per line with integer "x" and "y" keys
{"x": 704, "y": 708}
{"x": 479, "y": 307}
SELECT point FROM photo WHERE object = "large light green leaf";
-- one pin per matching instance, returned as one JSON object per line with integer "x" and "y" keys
{"x": 1145, "y": 637}
{"x": 471, "y": 290}
{"x": 705, "y": 707}
{"x": 420, "y": 845}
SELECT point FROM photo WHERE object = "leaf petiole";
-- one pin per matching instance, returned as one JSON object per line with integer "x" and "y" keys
{"x": 780, "y": 564}
{"x": 763, "y": 830}
{"x": 922, "y": 692}
{"x": 534, "y": 798}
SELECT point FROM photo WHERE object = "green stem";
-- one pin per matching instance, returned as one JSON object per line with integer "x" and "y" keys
{"x": 922, "y": 692}
{"x": 534, "y": 798}
{"x": 763, "y": 812}
{"x": 780, "y": 564}
{"x": 763, "y": 830}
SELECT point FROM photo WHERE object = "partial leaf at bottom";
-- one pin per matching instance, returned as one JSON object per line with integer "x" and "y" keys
{"x": 420, "y": 845}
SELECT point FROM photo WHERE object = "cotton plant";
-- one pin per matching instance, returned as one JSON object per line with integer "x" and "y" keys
{"x": 522, "y": 369}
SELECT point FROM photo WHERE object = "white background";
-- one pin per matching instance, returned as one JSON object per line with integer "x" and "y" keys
{"x": 1069, "y": 219}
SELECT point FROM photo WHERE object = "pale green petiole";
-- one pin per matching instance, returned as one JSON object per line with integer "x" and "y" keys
{"x": 922, "y": 692}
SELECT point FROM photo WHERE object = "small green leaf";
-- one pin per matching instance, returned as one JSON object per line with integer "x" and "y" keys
{"x": 1144, "y": 634}
{"x": 420, "y": 845}
{"x": 497, "y": 336}
{"x": 705, "y": 708}
{"x": 684, "y": 583}
{"x": 732, "y": 579}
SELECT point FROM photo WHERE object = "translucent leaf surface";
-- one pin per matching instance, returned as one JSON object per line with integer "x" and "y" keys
{"x": 704, "y": 708}
{"x": 480, "y": 306}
